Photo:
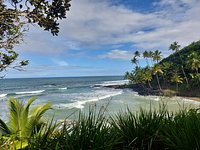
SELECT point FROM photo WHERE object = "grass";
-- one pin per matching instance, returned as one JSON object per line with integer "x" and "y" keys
{"x": 144, "y": 130}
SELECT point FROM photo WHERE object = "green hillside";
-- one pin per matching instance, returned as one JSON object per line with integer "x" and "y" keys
{"x": 184, "y": 53}
{"x": 179, "y": 72}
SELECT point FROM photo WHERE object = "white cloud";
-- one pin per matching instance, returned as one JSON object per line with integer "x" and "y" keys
{"x": 92, "y": 24}
{"x": 118, "y": 54}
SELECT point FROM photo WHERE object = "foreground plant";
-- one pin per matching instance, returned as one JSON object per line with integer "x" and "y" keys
{"x": 23, "y": 121}
{"x": 90, "y": 131}
{"x": 140, "y": 130}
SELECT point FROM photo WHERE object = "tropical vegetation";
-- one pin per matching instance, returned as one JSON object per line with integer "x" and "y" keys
{"x": 179, "y": 71}
{"x": 24, "y": 122}
{"x": 144, "y": 130}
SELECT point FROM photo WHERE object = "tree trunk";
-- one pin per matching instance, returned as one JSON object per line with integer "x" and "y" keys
{"x": 198, "y": 74}
{"x": 158, "y": 82}
{"x": 147, "y": 62}
{"x": 149, "y": 85}
{"x": 177, "y": 88}
{"x": 186, "y": 79}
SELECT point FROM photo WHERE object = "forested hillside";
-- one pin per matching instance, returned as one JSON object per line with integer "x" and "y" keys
{"x": 178, "y": 72}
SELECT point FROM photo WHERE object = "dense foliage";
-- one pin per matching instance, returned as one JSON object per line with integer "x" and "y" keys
{"x": 145, "y": 130}
{"x": 15, "y": 17}
{"x": 180, "y": 71}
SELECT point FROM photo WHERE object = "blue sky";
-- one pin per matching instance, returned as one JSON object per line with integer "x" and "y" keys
{"x": 100, "y": 37}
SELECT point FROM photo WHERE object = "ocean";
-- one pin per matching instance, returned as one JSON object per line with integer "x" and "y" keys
{"x": 73, "y": 94}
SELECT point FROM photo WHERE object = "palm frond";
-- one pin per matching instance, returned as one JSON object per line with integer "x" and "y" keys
{"x": 15, "y": 108}
{"x": 3, "y": 128}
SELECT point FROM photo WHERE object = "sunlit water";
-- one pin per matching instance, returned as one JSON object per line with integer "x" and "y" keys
{"x": 70, "y": 95}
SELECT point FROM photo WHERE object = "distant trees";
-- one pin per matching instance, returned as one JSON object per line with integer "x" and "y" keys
{"x": 180, "y": 68}
{"x": 15, "y": 17}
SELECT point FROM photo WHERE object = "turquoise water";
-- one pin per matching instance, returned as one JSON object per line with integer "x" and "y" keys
{"x": 69, "y": 95}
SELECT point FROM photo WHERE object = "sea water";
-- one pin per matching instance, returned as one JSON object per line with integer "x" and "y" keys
{"x": 73, "y": 94}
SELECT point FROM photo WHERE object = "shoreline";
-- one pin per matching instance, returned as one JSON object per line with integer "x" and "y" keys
{"x": 154, "y": 92}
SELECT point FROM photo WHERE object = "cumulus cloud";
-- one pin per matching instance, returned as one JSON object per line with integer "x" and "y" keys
{"x": 92, "y": 24}
{"x": 118, "y": 54}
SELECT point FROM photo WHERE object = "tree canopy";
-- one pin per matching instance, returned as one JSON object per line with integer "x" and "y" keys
{"x": 15, "y": 18}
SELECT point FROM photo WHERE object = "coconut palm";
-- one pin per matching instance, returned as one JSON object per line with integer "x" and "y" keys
{"x": 194, "y": 61}
{"x": 176, "y": 79}
{"x": 148, "y": 76}
{"x": 128, "y": 76}
{"x": 157, "y": 56}
{"x": 176, "y": 47}
{"x": 137, "y": 54}
{"x": 150, "y": 55}
{"x": 156, "y": 69}
{"x": 135, "y": 58}
{"x": 167, "y": 71}
{"x": 138, "y": 75}
{"x": 23, "y": 121}
{"x": 146, "y": 55}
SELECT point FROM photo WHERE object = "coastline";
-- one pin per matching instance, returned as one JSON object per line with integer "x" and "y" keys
{"x": 153, "y": 92}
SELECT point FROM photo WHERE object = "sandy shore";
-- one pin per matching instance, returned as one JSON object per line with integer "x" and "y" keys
{"x": 145, "y": 92}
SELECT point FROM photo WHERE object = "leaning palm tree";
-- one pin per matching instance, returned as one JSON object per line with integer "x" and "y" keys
{"x": 135, "y": 58}
{"x": 156, "y": 69}
{"x": 176, "y": 47}
{"x": 23, "y": 121}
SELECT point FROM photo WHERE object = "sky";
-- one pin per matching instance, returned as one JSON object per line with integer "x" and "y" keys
{"x": 99, "y": 37}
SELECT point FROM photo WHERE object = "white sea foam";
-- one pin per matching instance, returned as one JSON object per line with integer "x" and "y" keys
{"x": 96, "y": 97}
{"x": 65, "y": 88}
{"x": 30, "y": 92}
{"x": 109, "y": 83}
{"x": 3, "y": 95}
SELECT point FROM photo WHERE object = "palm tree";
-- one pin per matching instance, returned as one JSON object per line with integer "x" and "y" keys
{"x": 176, "y": 47}
{"x": 128, "y": 76}
{"x": 156, "y": 69}
{"x": 176, "y": 79}
{"x": 146, "y": 55}
{"x": 150, "y": 55}
{"x": 137, "y": 54}
{"x": 23, "y": 121}
{"x": 138, "y": 75}
{"x": 157, "y": 56}
{"x": 167, "y": 71}
{"x": 135, "y": 58}
{"x": 148, "y": 76}
{"x": 194, "y": 61}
